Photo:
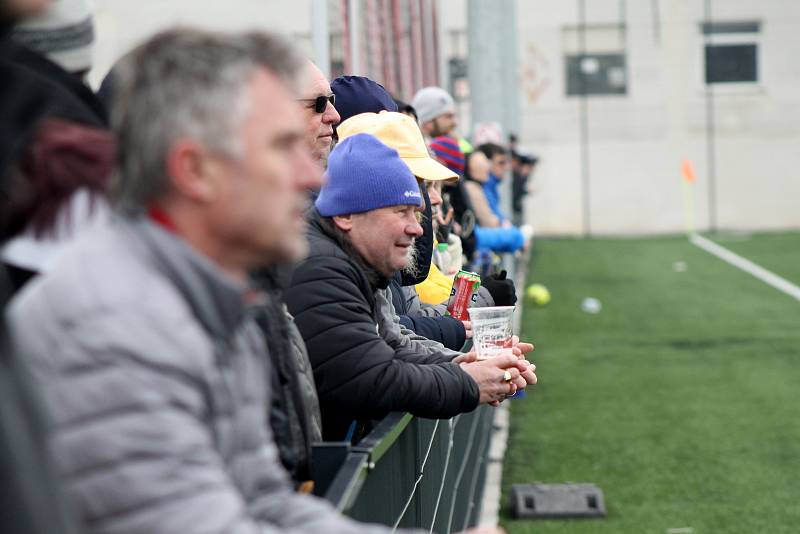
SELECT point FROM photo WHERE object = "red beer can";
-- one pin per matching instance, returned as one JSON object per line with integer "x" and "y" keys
{"x": 463, "y": 294}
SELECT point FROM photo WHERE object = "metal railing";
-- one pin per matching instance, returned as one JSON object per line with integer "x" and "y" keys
{"x": 412, "y": 472}
{"x": 415, "y": 473}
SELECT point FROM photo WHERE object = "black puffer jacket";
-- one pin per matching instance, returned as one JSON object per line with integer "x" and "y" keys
{"x": 359, "y": 375}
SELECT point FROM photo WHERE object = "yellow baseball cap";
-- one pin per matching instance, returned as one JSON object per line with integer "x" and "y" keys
{"x": 401, "y": 133}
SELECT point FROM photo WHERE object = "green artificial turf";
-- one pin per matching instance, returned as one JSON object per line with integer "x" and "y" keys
{"x": 770, "y": 251}
{"x": 680, "y": 399}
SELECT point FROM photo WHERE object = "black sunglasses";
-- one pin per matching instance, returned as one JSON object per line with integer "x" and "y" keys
{"x": 320, "y": 104}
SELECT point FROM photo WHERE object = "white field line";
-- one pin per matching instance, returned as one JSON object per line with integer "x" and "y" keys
{"x": 781, "y": 284}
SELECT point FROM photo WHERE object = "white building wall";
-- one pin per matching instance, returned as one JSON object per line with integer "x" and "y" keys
{"x": 637, "y": 141}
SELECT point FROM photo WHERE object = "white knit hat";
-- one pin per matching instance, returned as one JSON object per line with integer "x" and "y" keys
{"x": 64, "y": 33}
{"x": 431, "y": 102}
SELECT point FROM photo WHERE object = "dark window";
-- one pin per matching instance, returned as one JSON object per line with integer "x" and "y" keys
{"x": 717, "y": 28}
{"x": 596, "y": 74}
{"x": 459, "y": 85}
{"x": 731, "y": 63}
{"x": 458, "y": 67}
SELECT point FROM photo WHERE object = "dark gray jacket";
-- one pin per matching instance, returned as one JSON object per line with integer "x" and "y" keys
{"x": 294, "y": 412}
{"x": 156, "y": 377}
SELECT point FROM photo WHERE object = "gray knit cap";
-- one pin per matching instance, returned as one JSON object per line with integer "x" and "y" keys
{"x": 431, "y": 102}
{"x": 64, "y": 33}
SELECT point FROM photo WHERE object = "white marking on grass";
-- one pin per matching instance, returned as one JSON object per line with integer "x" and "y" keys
{"x": 768, "y": 277}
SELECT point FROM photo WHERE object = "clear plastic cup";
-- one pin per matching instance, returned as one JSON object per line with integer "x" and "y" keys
{"x": 492, "y": 330}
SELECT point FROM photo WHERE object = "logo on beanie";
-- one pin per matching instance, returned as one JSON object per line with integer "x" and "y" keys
{"x": 414, "y": 194}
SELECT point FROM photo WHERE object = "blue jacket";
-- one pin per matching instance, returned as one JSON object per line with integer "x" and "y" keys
{"x": 503, "y": 239}
{"x": 493, "y": 196}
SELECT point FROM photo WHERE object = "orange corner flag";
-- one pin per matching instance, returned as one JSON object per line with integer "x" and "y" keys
{"x": 688, "y": 172}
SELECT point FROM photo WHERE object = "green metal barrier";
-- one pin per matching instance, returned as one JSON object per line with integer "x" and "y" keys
{"x": 412, "y": 472}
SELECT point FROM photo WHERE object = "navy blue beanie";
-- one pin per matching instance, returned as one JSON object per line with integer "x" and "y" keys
{"x": 363, "y": 175}
{"x": 357, "y": 94}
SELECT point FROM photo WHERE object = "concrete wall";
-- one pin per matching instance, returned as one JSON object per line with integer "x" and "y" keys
{"x": 637, "y": 141}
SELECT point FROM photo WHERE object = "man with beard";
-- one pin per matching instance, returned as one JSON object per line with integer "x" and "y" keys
{"x": 361, "y": 232}
{"x": 436, "y": 112}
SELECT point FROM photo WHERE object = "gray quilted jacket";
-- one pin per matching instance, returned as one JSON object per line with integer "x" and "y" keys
{"x": 416, "y": 307}
{"x": 400, "y": 337}
{"x": 157, "y": 380}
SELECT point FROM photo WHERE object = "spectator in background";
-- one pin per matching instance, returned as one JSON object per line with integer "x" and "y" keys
{"x": 492, "y": 232}
{"x": 361, "y": 231}
{"x": 470, "y": 202}
{"x": 320, "y": 113}
{"x": 513, "y": 141}
{"x": 357, "y": 94}
{"x": 155, "y": 307}
{"x": 406, "y": 109}
{"x": 447, "y": 150}
{"x": 495, "y": 289}
{"x": 436, "y": 111}
{"x": 498, "y": 169}
{"x": 31, "y": 499}
{"x": 499, "y": 164}
{"x": 478, "y": 174}
{"x": 522, "y": 166}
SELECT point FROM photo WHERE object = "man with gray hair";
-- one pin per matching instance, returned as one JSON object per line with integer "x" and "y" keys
{"x": 154, "y": 371}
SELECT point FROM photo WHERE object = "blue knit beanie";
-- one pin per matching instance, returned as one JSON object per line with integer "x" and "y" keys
{"x": 363, "y": 175}
{"x": 357, "y": 94}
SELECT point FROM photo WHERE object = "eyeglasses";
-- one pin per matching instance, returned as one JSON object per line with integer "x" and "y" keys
{"x": 320, "y": 104}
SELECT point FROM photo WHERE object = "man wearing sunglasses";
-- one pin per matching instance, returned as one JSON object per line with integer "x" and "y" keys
{"x": 319, "y": 113}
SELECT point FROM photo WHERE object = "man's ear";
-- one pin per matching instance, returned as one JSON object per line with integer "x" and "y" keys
{"x": 343, "y": 222}
{"x": 192, "y": 171}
